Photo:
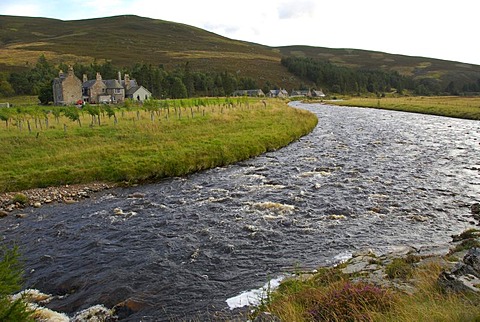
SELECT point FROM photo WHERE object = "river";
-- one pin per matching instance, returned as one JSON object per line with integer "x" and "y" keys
{"x": 178, "y": 249}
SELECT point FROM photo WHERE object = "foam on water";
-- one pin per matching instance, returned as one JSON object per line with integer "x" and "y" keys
{"x": 254, "y": 297}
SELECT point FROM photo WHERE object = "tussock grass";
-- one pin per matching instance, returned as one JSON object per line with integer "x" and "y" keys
{"x": 430, "y": 303}
{"x": 143, "y": 144}
{"x": 327, "y": 296}
{"x": 331, "y": 296}
{"x": 452, "y": 106}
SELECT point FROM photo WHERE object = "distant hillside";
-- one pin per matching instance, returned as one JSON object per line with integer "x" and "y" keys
{"x": 416, "y": 67}
{"x": 126, "y": 40}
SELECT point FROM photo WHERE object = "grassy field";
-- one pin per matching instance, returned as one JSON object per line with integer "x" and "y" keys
{"x": 55, "y": 146}
{"x": 452, "y": 106}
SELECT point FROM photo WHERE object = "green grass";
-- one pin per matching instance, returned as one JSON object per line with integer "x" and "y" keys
{"x": 399, "y": 268}
{"x": 26, "y": 100}
{"x": 138, "y": 148}
{"x": 451, "y": 106}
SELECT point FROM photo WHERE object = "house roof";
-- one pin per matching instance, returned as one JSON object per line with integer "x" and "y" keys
{"x": 109, "y": 83}
{"x": 318, "y": 93}
{"x": 133, "y": 83}
{"x": 89, "y": 83}
{"x": 300, "y": 93}
{"x": 112, "y": 83}
{"x": 278, "y": 91}
{"x": 248, "y": 92}
{"x": 132, "y": 90}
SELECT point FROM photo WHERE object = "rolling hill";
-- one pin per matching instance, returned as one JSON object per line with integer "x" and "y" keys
{"x": 127, "y": 40}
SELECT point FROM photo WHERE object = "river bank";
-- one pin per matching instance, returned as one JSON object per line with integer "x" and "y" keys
{"x": 430, "y": 283}
{"x": 37, "y": 197}
{"x": 450, "y": 106}
{"x": 139, "y": 145}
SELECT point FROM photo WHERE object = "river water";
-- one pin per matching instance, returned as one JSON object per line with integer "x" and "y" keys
{"x": 363, "y": 178}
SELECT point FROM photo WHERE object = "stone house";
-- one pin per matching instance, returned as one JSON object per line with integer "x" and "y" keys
{"x": 280, "y": 93}
{"x": 249, "y": 92}
{"x": 113, "y": 90}
{"x": 307, "y": 93}
{"x": 301, "y": 93}
{"x": 67, "y": 88}
{"x": 317, "y": 93}
{"x": 95, "y": 91}
{"x": 134, "y": 91}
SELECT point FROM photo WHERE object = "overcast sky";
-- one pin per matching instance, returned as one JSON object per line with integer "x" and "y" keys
{"x": 437, "y": 29}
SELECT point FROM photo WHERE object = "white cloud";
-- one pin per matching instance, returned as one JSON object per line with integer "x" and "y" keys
{"x": 30, "y": 9}
{"x": 296, "y": 9}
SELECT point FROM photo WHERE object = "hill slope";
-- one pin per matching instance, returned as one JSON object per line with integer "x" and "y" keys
{"x": 417, "y": 67}
{"x": 126, "y": 40}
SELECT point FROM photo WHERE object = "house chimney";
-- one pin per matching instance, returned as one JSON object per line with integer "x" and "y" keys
{"x": 127, "y": 82}
{"x": 99, "y": 77}
{"x": 85, "y": 78}
{"x": 119, "y": 77}
{"x": 60, "y": 73}
{"x": 70, "y": 71}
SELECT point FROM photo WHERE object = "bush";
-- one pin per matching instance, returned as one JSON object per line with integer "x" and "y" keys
{"x": 11, "y": 282}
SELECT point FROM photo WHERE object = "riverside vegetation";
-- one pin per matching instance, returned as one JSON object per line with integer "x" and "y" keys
{"x": 451, "y": 106}
{"x": 51, "y": 146}
{"x": 406, "y": 285}
{"x": 11, "y": 272}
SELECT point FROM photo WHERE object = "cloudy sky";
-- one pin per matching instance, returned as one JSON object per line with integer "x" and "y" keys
{"x": 437, "y": 29}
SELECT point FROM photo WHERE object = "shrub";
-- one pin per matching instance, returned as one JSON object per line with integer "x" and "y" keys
{"x": 10, "y": 282}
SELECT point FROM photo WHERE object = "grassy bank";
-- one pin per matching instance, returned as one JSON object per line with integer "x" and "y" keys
{"x": 452, "y": 106}
{"x": 378, "y": 288}
{"x": 331, "y": 296}
{"x": 44, "y": 147}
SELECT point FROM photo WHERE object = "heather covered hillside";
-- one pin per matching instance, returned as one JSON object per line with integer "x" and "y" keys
{"x": 125, "y": 41}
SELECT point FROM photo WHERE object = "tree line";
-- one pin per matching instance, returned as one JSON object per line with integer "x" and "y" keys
{"x": 340, "y": 79}
{"x": 182, "y": 82}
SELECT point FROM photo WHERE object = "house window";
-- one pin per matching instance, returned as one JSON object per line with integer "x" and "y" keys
{"x": 117, "y": 91}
